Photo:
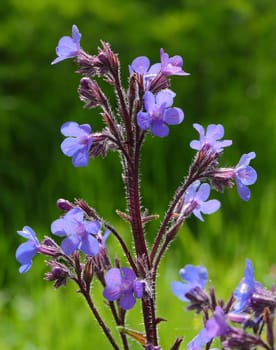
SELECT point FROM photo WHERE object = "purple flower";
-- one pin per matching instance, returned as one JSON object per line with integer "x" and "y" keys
{"x": 80, "y": 233}
{"x": 215, "y": 327}
{"x": 122, "y": 285}
{"x": 193, "y": 276}
{"x": 141, "y": 65}
{"x": 245, "y": 175}
{"x": 214, "y": 133}
{"x": 26, "y": 251}
{"x": 195, "y": 200}
{"x": 245, "y": 289}
{"x": 68, "y": 47}
{"x": 78, "y": 143}
{"x": 158, "y": 113}
{"x": 171, "y": 65}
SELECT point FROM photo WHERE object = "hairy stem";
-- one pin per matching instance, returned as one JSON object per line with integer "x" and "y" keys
{"x": 162, "y": 231}
{"x": 133, "y": 193}
{"x": 86, "y": 293}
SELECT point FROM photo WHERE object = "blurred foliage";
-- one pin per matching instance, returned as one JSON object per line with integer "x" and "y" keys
{"x": 229, "y": 47}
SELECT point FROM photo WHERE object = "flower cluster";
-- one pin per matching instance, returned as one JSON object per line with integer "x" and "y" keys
{"x": 81, "y": 252}
{"x": 238, "y": 322}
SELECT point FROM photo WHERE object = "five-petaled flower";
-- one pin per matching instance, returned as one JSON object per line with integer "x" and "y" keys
{"x": 245, "y": 175}
{"x": 245, "y": 289}
{"x": 27, "y": 250}
{"x": 212, "y": 138}
{"x": 122, "y": 285}
{"x": 78, "y": 142}
{"x": 80, "y": 232}
{"x": 193, "y": 276}
{"x": 158, "y": 113}
{"x": 68, "y": 47}
{"x": 195, "y": 201}
{"x": 215, "y": 327}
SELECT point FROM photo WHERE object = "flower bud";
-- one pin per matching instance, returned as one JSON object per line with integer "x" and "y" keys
{"x": 88, "y": 64}
{"x": 109, "y": 61}
{"x": 59, "y": 273}
{"x": 90, "y": 93}
{"x": 88, "y": 272}
{"x": 49, "y": 247}
{"x": 64, "y": 204}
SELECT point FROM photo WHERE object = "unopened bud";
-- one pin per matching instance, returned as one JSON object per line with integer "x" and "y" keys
{"x": 49, "y": 247}
{"x": 109, "y": 60}
{"x": 88, "y": 272}
{"x": 88, "y": 64}
{"x": 59, "y": 273}
{"x": 64, "y": 204}
{"x": 90, "y": 93}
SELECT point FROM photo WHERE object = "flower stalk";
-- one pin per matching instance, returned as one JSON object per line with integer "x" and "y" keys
{"x": 146, "y": 107}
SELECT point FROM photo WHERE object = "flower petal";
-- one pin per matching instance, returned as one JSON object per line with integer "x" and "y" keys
{"x": 149, "y": 101}
{"x": 112, "y": 293}
{"x": 70, "y": 146}
{"x": 214, "y": 132}
{"x": 80, "y": 158}
{"x": 92, "y": 226}
{"x": 174, "y": 116}
{"x": 195, "y": 275}
{"x": 113, "y": 277}
{"x": 127, "y": 301}
{"x": 143, "y": 120}
{"x": 70, "y": 244}
{"x": 159, "y": 128}
{"x": 25, "y": 252}
{"x": 89, "y": 245}
{"x": 28, "y": 233}
{"x": 180, "y": 290}
{"x": 66, "y": 47}
{"x": 247, "y": 175}
{"x": 243, "y": 190}
{"x": 165, "y": 98}
{"x": 72, "y": 129}
{"x": 210, "y": 206}
{"x": 57, "y": 227}
{"x": 245, "y": 159}
{"x": 203, "y": 192}
{"x": 138, "y": 288}
{"x": 25, "y": 267}
{"x": 127, "y": 274}
{"x": 140, "y": 65}
{"x": 76, "y": 36}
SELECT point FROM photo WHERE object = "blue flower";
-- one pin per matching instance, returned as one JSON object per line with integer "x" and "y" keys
{"x": 245, "y": 288}
{"x": 195, "y": 200}
{"x": 171, "y": 65}
{"x": 158, "y": 113}
{"x": 68, "y": 47}
{"x": 212, "y": 138}
{"x": 122, "y": 285}
{"x": 245, "y": 175}
{"x": 215, "y": 327}
{"x": 80, "y": 233}
{"x": 26, "y": 251}
{"x": 193, "y": 276}
{"x": 78, "y": 143}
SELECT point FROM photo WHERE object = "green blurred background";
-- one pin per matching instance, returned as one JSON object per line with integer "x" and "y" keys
{"x": 229, "y": 47}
